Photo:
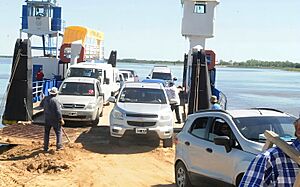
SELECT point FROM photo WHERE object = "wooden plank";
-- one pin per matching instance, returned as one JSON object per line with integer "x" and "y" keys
{"x": 272, "y": 137}
{"x": 285, "y": 147}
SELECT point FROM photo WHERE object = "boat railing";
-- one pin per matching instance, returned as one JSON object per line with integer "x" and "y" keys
{"x": 40, "y": 88}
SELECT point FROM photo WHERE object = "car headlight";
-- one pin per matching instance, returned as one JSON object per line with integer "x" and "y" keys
{"x": 165, "y": 117}
{"x": 91, "y": 106}
{"x": 117, "y": 114}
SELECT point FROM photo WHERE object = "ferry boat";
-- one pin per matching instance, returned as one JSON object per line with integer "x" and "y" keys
{"x": 45, "y": 46}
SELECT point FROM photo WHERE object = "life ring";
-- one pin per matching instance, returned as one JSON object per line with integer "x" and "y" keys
{"x": 63, "y": 57}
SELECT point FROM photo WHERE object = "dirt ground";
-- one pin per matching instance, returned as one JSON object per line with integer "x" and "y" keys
{"x": 91, "y": 160}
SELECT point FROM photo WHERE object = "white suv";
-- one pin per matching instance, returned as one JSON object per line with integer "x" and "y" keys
{"x": 215, "y": 147}
{"x": 142, "y": 109}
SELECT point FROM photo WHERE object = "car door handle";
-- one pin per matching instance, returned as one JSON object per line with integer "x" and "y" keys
{"x": 209, "y": 150}
{"x": 187, "y": 143}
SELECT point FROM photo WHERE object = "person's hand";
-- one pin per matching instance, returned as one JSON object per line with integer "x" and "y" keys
{"x": 61, "y": 122}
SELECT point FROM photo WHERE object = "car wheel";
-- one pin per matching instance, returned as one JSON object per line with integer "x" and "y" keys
{"x": 96, "y": 121}
{"x": 168, "y": 142}
{"x": 181, "y": 176}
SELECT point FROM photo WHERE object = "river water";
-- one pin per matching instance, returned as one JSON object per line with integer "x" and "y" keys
{"x": 244, "y": 87}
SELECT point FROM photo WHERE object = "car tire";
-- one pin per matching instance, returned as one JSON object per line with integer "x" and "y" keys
{"x": 114, "y": 140}
{"x": 239, "y": 179}
{"x": 181, "y": 176}
{"x": 167, "y": 142}
{"x": 96, "y": 121}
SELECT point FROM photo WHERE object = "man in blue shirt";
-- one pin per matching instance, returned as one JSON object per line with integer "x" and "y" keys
{"x": 273, "y": 167}
{"x": 215, "y": 104}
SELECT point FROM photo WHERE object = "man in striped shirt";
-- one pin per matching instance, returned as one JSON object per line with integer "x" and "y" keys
{"x": 273, "y": 167}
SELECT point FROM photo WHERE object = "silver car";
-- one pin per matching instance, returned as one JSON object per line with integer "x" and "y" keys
{"x": 143, "y": 109}
{"x": 81, "y": 99}
{"x": 215, "y": 147}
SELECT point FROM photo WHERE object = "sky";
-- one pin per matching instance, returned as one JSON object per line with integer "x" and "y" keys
{"x": 151, "y": 30}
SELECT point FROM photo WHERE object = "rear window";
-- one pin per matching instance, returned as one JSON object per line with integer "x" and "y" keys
{"x": 159, "y": 75}
{"x": 76, "y": 88}
{"x": 143, "y": 95}
{"x": 253, "y": 128}
{"x": 85, "y": 72}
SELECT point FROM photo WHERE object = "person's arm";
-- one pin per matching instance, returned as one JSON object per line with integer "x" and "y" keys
{"x": 256, "y": 172}
{"x": 58, "y": 112}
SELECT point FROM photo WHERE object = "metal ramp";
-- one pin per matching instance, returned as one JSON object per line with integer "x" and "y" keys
{"x": 27, "y": 134}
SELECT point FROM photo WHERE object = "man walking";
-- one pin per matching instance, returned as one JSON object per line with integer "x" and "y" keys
{"x": 173, "y": 96}
{"x": 53, "y": 118}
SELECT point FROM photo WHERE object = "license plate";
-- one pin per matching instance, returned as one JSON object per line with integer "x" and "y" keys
{"x": 73, "y": 114}
{"x": 141, "y": 131}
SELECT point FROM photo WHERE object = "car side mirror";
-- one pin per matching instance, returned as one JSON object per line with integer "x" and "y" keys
{"x": 112, "y": 99}
{"x": 101, "y": 94}
{"x": 223, "y": 140}
{"x": 147, "y": 77}
{"x": 174, "y": 79}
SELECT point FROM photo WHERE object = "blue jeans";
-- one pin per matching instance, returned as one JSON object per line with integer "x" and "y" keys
{"x": 57, "y": 129}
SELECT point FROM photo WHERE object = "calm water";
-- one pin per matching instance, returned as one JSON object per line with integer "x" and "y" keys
{"x": 243, "y": 87}
{"x": 246, "y": 87}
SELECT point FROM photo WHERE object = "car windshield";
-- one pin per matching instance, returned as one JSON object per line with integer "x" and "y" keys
{"x": 76, "y": 88}
{"x": 253, "y": 128}
{"x": 85, "y": 72}
{"x": 143, "y": 95}
{"x": 159, "y": 75}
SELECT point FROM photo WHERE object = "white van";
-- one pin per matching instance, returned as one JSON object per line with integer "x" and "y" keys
{"x": 105, "y": 73}
{"x": 81, "y": 99}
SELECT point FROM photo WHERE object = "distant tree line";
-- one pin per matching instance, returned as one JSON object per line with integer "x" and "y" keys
{"x": 130, "y": 60}
{"x": 260, "y": 63}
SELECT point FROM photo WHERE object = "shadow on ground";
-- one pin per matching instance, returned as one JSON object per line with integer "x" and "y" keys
{"x": 23, "y": 157}
{"x": 98, "y": 140}
{"x": 164, "y": 185}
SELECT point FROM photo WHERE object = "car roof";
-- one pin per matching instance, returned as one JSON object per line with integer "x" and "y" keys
{"x": 162, "y": 69}
{"x": 255, "y": 112}
{"x": 143, "y": 85}
{"x": 91, "y": 65}
{"x": 80, "y": 79}
{"x": 125, "y": 71}
{"x": 252, "y": 112}
{"x": 130, "y": 70}
{"x": 154, "y": 81}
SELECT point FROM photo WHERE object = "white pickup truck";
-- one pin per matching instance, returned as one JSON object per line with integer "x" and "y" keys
{"x": 105, "y": 73}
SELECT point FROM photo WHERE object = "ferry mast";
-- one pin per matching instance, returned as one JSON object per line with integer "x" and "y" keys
{"x": 199, "y": 72}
